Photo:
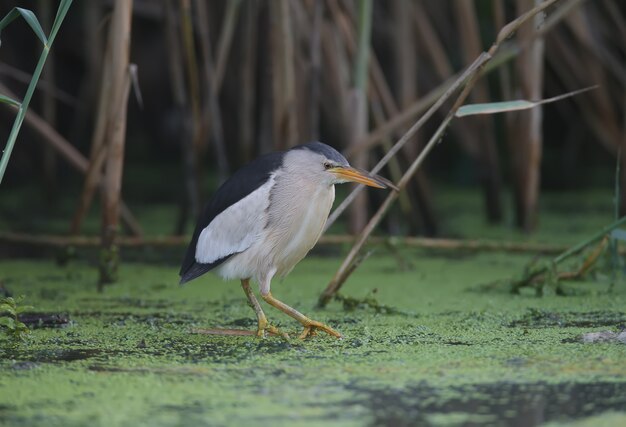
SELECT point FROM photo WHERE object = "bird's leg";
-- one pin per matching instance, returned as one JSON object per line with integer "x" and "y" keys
{"x": 310, "y": 326}
{"x": 263, "y": 324}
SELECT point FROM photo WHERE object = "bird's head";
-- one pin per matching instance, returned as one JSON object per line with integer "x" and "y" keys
{"x": 329, "y": 166}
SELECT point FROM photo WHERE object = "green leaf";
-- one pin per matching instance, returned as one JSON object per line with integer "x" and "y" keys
{"x": 494, "y": 107}
{"x": 10, "y": 101}
{"x": 7, "y": 322}
{"x": 8, "y": 300}
{"x": 19, "y": 119}
{"x": 23, "y": 308}
{"x": 21, "y": 327}
{"x": 61, "y": 12}
{"x": 515, "y": 105}
{"x": 7, "y": 308}
{"x": 30, "y": 19}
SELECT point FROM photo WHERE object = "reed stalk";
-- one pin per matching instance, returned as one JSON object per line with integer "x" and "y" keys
{"x": 31, "y": 19}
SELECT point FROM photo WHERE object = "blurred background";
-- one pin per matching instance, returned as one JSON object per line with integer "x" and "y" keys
{"x": 220, "y": 82}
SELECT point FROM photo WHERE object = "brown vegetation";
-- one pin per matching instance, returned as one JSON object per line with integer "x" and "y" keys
{"x": 237, "y": 78}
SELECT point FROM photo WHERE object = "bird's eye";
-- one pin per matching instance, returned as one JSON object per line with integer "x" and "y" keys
{"x": 328, "y": 165}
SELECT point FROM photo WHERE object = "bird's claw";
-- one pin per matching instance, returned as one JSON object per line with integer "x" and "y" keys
{"x": 311, "y": 327}
{"x": 263, "y": 329}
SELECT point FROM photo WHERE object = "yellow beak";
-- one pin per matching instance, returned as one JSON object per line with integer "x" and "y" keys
{"x": 362, "y": 177}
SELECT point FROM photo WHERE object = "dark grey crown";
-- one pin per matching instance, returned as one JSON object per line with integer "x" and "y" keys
{"x": 325, "y": 150}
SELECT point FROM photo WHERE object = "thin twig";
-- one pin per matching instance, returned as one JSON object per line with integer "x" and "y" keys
{"x": 506, "y": 52}
{"x": 536, "y": 275}
{"x": 72, "y": 156}
{"x": 471, "y": 76}
{"x": 45, "y": 86}
{"x": 224, "y": 43}
{"x": 405, "y": 138}
{"x": 381, "y": 99}
{"x": 438, "y": 244}
{"x": 211, "y": 115}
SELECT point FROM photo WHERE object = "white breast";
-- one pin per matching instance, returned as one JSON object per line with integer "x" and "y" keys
{"x": 300, "y": 200}
{"x": 296, "y": 227}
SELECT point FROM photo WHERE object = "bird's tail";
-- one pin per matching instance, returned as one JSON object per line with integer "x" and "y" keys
{"x": 194, "y": 271}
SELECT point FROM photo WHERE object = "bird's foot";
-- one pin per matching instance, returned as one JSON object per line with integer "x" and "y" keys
{"x": 264, "y": 328}
{"x": 312, "y": 326}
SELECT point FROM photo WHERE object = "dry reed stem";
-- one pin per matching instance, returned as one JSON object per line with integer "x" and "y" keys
{"x": 359, "y": 110}
{"x": 431, "y": 42}
{"x": 211, "y": 113}
{"x": 506, "y": 52}
{"x": 190, "y": 203}
{"x": 224, "y": 42}
{"x": 284, "y": 119}
{"x": 526, "y": 137}
{"x": 401, "y": 142}
{"x": 112, "y": 179}
{"x": 265, "y": 137}
{"x": 115, "y": 134}
{"x": 406, "y": 60}
{"x": 436, "y": 97}
{"x": 72, "y": 156}
{"x": 93, "y": 176}
{"x": 436, "y": 244}
{"x": 248, "y": 55}
{"x": 395, "y": 171}
{"x": 466, "y": 134}
{"x": 379, "y": 89}
{"x": 468, "y": 80}
{"x": 98, "y": 143}
{"x": 336, "y": 68}
{"x": 215, "y": 74}
{"x": 481, "y": 128}
{"x": 316, "y": 69}
{"x": 598, "y": 108}
{"x": 418, "y": 197}
{"x": 191, "y": 67}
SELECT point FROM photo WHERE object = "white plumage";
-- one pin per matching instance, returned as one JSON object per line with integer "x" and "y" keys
{"x": 269, "y": 233}
{"x": 266, "y": 218}
{"x": 236, "y": 228}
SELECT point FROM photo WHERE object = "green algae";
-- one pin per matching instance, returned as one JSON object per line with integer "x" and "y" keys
{"x": 128, "y": 356}
{"x": 423, "y": 345}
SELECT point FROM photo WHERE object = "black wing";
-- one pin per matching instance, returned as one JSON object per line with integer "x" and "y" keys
{"x": 238, "y": 186}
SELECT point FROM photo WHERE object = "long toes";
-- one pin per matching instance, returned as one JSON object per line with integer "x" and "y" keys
{"x": 310, "y": 329}
{"x": 274, "y": 330}
{"x": 271, "y": 330}
{"x": 331, "y": 331}
{"x": 327, "y": 329}
{"x": 305, "y": 332}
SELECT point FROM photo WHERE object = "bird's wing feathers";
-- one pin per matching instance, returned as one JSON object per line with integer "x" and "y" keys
{"x": 233, "y": 217}
{"x": 236, "y": 228}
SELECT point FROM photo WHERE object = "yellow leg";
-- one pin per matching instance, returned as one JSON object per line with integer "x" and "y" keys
{"x": 263, "y": 324}
{"x": 310, "y": 326}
